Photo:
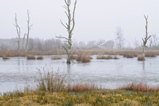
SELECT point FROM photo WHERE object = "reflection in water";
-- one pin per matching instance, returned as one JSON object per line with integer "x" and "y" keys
{"x": 69, "y": 73}
{"x": 143, "y": 65}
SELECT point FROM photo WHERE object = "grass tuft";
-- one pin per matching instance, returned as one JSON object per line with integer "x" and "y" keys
{"x": 139, "y": 87}
{"x": 40, "y": 58}
{"x": 31, "y": 57}
{"x": 141, "y": 58}
{"x": 83, "y": 58}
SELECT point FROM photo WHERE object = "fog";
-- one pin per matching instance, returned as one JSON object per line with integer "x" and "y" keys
{"x": 95, "y": 20}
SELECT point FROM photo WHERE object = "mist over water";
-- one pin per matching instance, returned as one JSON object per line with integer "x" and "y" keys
{"x": 17, "y": 72}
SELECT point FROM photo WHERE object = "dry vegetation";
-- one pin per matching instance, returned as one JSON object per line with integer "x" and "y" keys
{"x": 139, "y": 87}
{"x": 40, "y": 58}
{"x": 126, "y": 53}
{"x": 83, "y": 58}
{"x": 141, "y": 58}
{"x": 53, "y": 91}
{"x": 31, "y": 57}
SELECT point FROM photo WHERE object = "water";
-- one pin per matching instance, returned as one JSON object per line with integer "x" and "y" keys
{"x": 17, "y": 72}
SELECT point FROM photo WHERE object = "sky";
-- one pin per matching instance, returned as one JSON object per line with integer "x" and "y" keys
{"x": 94, "y": 19}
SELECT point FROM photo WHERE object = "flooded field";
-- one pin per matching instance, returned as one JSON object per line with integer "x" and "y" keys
{"x": 17, "y": 72}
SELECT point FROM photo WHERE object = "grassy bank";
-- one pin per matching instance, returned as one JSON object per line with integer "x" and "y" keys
{"x": 52, "y": 90}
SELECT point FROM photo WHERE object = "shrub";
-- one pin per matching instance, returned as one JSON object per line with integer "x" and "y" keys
{"x": 31, "y": 57}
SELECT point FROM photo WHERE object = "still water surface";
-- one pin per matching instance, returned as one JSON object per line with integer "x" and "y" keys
{"x": 17, "y": 72}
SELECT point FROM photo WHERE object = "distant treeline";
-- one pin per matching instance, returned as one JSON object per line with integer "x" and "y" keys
{"x": 56, "y": 44}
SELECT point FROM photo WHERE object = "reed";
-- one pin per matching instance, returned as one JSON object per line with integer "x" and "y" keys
{"x": 31, "y": 57}
{"x": 139, "y": 87}
{"x": 51, "y": 82}
{"x": 40, "y": 58}
{"x": 83, "y": 58}
{"x": 104, "y": 57}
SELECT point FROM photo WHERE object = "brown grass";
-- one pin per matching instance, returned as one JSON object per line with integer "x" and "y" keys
{"x": 56, "y": 58}
{"x": 104, "y": 57}
{"x": 14, "y": 53}
{"x": 150, "y": 54}
{"x": 141, "y": 58}
{"x": 139, "y": 87}
{"x": 115, "y": 57}
{"x": 31, "y": 57}
{"x": 5, "y": 58}
{"x": 73, "y": 57}
{"x": 83, "y": 58}
{"x": 40, "y": 58}
{"x": 81, "y": 87}
{"x": 129, "y": 55}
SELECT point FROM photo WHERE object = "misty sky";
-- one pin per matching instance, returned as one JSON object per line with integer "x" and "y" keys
{"x": 95, "y": 19}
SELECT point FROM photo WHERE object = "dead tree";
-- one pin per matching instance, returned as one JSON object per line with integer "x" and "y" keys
{"x": 70, "y": 27}
{"x": 146, "y": 37}
{"x": 29, "y": 28}
{"x": 18, "y": 32}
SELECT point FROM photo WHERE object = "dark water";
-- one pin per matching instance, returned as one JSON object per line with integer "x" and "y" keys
{"x": 17, "y": 72}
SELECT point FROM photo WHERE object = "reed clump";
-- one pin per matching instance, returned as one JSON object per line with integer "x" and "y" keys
{"x": 51, "y": 82}
{"x": 141, "y": 58}
{"x": 31, "y": 57}
{"x": 83, "y": 58}
{"x": 139, "y": 87}
{"x": 73, "y": 57}
{"x": 129, "y": 55}
{"x": 107, "y": 57}
{"x": 40, "y": 58}
{"x": 5, "y": 58}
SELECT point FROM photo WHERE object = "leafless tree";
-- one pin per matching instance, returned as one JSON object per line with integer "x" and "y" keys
{"x": 146, "y": 37}
{"x": 29, "y": 28}
{"x": 18, "y": 31}
{"x": 119, "y": 38}
{"x": 70, "y": 27}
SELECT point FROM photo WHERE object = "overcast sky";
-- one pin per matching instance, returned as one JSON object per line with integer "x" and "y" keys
{"x": 95, "y": 19}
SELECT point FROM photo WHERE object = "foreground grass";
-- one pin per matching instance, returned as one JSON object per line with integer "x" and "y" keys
{"x": 93, "y": 98}
{"x": 52, "y": 91}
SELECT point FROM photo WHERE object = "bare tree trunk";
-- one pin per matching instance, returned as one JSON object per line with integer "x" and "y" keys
{"x": 29, "y": 27}
{"x": 23, "y": 41}
{"x": 18, "y": 32}
{"x": 70, "y": 27}
{"x": 146, "y": 36}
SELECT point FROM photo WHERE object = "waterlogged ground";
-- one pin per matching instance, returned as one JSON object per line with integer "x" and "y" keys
{"x": 17, "y": 72}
